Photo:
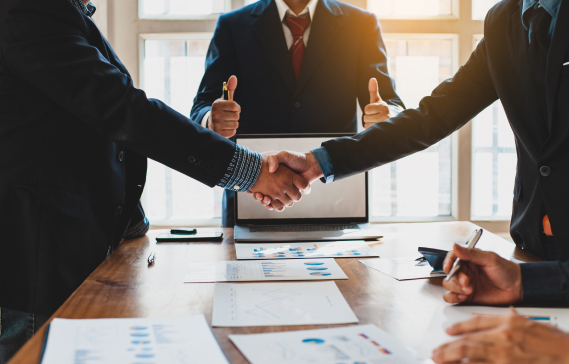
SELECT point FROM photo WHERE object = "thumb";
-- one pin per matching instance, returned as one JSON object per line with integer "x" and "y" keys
{"x": 273, "y": 162}
{"x": 231, "y": 86}
{"x": 373, "y": 91}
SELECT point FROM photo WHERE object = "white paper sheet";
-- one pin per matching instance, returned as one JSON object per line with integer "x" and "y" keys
{"x": 276, "y": 304}
{"x": 354, "y": 344}
{"x": 403, "y": 268}
{"x": 266, "y": 270}
{"x": 450, "y": 315}
{"x": 173, "y": 340}
{"x": 333, "y": 249}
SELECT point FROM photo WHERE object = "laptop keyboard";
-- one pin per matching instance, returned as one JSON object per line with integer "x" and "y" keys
{"x": 294, "y": 228}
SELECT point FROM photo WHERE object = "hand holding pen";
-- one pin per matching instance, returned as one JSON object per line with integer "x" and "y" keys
{"x": 225, "y": 113}
{"x": 483, "y": 278}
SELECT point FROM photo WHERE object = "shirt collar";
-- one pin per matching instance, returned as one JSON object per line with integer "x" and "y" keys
{"x": 88, "y": 9}
{"x": 551, "y": 6}
{"x": 284, "y": 10}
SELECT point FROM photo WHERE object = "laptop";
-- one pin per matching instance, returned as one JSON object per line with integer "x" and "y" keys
{"x": 334, "y": 211}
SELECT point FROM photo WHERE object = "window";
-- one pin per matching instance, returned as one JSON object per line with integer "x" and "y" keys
{"x": 172, "y": 69}
{"x": 182, "y": 9}
{"x": 413, "y": 9}
{"x": 468, "y": 176}
{"x": 480, "y": 8}
{"x": 418, "y": 63}
{"x": 494, "y": 162}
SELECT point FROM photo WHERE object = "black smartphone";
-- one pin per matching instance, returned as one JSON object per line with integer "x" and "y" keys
{"x": 168, "y": 237}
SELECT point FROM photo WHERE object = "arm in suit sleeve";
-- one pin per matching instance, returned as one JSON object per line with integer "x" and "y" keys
{"x": 220, "y": 64}
{"x": 452, "y": 104}
{"x": 546, "y": 283}
{"x": 48, "y": 47}
{"x": 373, "y": 63}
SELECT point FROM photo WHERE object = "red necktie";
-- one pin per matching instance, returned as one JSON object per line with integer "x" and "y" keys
{"x": 297, "y": 27}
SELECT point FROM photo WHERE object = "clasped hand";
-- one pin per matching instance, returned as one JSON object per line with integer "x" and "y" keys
{"x": 305, "y": 164}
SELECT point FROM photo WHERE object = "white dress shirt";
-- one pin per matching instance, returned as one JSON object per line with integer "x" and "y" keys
{"x": 285, "y": 11}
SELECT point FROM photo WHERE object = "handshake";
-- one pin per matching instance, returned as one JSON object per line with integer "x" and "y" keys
{"x": 277, "y": 186}
{"x": 280, "y": 186}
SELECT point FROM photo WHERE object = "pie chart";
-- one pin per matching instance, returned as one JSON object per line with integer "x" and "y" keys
{"x": 313, "y": 263}
{"x": 318, "y": 274}
{"x": 316, "y": 268}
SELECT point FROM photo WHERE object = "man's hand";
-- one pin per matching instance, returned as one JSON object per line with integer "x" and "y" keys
{"x": 484, "y": 278}
{"x": 282, "y": 187}
{"x": 508, "y": 339}
{"x": 224, "y": 117}
{"x": 377, "y": 109}
{"x": 305, "y": 164}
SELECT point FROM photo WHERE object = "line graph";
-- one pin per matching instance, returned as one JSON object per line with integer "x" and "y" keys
{"x": 267, "y": 304}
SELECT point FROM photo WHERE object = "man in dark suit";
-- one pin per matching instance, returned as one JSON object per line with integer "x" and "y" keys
{"x": 301, "y": 66}
{"x": 74, "y": 137}
{"x": 524, "y": 61}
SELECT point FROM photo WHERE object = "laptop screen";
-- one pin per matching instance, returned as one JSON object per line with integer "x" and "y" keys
{"x": 337, "y": 202}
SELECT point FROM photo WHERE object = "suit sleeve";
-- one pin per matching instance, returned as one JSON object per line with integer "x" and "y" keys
{"x": 48, "y": 47}
{"x": 220, "y": 64}
{"x": 451, "y": 105}
{"x": 373, "y": 63}
{"x": 546, "y": 283}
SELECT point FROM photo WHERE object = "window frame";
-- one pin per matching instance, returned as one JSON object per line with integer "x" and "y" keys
{"x": 125, "y": 32}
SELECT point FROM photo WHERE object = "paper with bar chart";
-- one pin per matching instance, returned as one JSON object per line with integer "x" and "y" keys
{"x": 450, "y": 315}
{"x": 170, "y": 340}
{"x": 266, "y": 270}
{"x": 276, "y": 304}
{"x": 353, "y": 344}
{"x": 331, "y": 249}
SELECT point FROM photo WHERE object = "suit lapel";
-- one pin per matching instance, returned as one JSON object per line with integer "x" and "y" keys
{"x": 557, "y": 52}
{"x": 323, "y": 31}
{"x": 269, "y": 31}
{"x": 519, "y": 50}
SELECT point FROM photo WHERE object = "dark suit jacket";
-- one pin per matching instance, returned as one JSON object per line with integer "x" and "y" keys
{"x": 498, "y": 68}
{"x": 67, "y": 109}
{"x": 345, "y": 49}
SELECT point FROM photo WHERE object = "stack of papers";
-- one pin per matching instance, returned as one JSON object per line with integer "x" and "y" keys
{"x": 266, "y": 270}
{"x": 278, "y": 304}
{"x": 132, "y": 340}
{"x": 354, "y": 344}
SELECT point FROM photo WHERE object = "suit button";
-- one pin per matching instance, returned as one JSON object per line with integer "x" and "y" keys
{"x": 545, "y": 171}
{"x": 191, "y": 159}
{"x": 118, "y": 211}
{"x": 206, "y": 166}
{"x": 297, "y": 105}
{"x": 121, "y": 156}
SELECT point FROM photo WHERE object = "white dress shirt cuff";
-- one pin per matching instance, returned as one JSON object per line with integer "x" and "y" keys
{"x": 206, "y": 119}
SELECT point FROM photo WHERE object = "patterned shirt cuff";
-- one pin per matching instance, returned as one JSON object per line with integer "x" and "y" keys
{"x": 325, "y": 162}
{"x": 243, "y": 170}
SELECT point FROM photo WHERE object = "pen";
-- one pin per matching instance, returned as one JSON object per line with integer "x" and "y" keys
{"x": 151, "y": 258}
{"x": 225, "y": 92}
{"x": 474, "y": 237}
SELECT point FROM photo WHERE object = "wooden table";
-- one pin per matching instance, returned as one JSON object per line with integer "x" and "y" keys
{"x": 125, "y": 286}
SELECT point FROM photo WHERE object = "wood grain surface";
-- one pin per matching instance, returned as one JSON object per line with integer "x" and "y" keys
{"x": 125, "y": 286}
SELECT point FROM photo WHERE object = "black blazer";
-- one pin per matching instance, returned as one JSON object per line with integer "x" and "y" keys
{"x": 498, "y": 68}
{"x": 344, "y": 51}
{"x": 68, "y": 109}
